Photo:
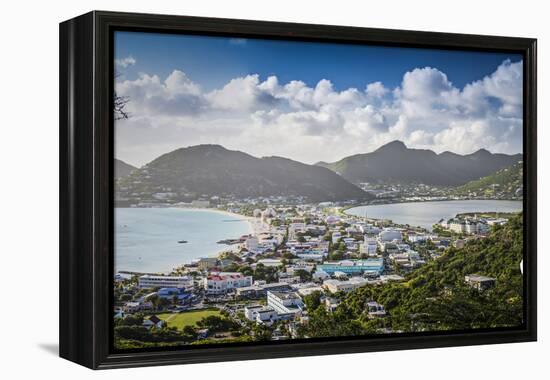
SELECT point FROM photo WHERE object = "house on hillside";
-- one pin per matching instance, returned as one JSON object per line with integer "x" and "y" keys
{"x": 479, "y": 282}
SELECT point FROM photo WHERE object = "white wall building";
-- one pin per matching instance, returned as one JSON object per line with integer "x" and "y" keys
{"x": 368, "y": 247}
{"x": 390, "y": 234}
{"x": 223, "y": 282}
{"x": 285, "y": 303}
{"x": 261, "y": 314}
{"x": 335, "y": 286}
{"x": 251, "y": 243}
{"x": 335, "y": 237}
{"x": 148, "y": 281}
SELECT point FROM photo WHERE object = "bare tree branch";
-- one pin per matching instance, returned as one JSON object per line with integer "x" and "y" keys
{"x": 119, "y": 102}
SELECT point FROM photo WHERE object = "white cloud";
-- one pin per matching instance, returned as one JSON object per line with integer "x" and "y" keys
{"x": 125, "y": 62}
{"x": 314, "y": 123}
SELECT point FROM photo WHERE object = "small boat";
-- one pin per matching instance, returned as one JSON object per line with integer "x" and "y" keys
{"x": 182, "y": 241}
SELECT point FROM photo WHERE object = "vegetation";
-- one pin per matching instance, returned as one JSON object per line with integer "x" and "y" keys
{"x": 188, "y": 318}
{"x": 182, "y": 328}
{"x": 506, "y": 183}
{"x": 435, "y": 297}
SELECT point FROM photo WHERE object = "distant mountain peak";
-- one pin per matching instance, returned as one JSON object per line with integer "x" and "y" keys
{"x": 214, "y": 170}
{"x": 481, "y": 152}
{"x": 122, "y": 168}
{"x": 394, "y": 145}
{"x": 394, "y": 162}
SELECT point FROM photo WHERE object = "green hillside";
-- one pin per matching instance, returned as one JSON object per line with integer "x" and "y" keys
{"x": 506, "y": 183}
{"x": 435, "y": 297}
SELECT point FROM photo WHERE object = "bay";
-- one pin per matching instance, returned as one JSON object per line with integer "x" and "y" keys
{"x": 146, "y": 239}
{"x": 426, "y": 214}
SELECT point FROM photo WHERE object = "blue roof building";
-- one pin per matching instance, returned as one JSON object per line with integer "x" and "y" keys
{"x": 354, "y": 267}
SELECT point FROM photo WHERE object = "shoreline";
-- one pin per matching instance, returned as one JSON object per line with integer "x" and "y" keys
{"x": 345, "y": 212}
{"x": 249, "y": 219}
{"x": 255, "y": 227}
{"x": 345, "y": 208}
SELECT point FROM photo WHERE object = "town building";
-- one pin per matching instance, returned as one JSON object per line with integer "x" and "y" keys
{"x": 180, "y": 294}
{"x": 260, "y": 290}
{"x": 479, "y": 282}
{"x": 224, "y": 282}
{"x": 200, "y": 203}
{"x": 149, "y": 281}
{"x": 335, "y": 286}
{"x": 368, "y": 247}
{"x": 207, "y": 263}
{"x": 331, "y": 304}
{"x": 153, "y": 321}
{"x": 354, "y": 267}
{"x": 390, "y": 234}
{"x": 260, "y": 314}
{"x": 375, "y": 310}
{"x": 285, "y": 303}
{"x": 134, "y": 307}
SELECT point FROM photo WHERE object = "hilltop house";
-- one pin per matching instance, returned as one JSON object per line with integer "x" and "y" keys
{"x": 479, "y": 282}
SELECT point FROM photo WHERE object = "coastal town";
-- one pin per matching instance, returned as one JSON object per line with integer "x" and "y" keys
{"x": 298, "y": 259}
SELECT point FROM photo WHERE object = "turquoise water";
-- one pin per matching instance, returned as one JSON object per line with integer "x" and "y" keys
{"x": 146, "y": 239}
{"x": 426, "y": 214}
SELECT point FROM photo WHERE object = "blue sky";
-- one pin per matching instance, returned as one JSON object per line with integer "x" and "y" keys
{"x": 293, "y": 99}
{"x": 212, "y": 61}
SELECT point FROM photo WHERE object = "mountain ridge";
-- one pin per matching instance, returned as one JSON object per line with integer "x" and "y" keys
{"x": 396, "y": 162}
{"x": 122, "y": 169}
{"x": 211, "y": 169}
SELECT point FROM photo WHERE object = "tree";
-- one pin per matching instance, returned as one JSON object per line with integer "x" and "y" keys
{"x": 119, "y": 105}
{"x": 215, "y": 323}
{"x": 132, "y": 320}
{"x": 304, "y": 275}
{"x": 313, "y": 300}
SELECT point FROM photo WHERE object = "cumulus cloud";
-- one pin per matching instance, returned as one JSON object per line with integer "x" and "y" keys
{"x": 125, "y": 62}
{"x": 320, "y": 123}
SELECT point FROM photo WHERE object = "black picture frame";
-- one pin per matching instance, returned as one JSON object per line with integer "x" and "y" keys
{"x": 86, "y": 183}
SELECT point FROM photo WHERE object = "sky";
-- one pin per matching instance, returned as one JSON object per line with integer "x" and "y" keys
{"x": 311, "y": 101}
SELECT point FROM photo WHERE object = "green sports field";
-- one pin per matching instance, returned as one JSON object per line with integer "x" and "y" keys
{"x": 186, "y": 318}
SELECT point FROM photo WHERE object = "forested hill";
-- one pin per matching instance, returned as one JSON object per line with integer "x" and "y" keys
{"x": 506, "y": 183}
{"x": 436, "y": 297}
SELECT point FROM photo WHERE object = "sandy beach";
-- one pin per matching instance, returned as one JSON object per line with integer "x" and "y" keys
{"x": 256, "y": 226}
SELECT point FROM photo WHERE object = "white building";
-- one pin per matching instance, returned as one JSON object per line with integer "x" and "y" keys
{"x": 223, "y": 282}
{"x": 320, "y": 275}
{"x": 375, "y": 310}
{"x": 368, "y": 247}
{"x": 416, "y": 237}
{"x": 390, "y": 234}
{"x": 268, "y": 263}
{"x": 200, "y": 203}
{"x": 285, "y": 303}
{"x": 260, "y": 314}
{"x": 335, "y": 286}
{"x": 335, "y": 237}
{"x": 292, "y": 269}
{"x": 148, "y": 281}
{"x": 251, "y": 243}
{"x": 294, "y": 229}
